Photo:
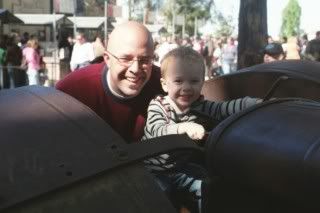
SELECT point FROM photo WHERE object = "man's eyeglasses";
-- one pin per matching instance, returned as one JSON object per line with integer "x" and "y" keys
{"x": 128, "y": 61}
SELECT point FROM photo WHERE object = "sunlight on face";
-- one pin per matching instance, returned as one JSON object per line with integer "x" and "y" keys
{"x": 183, "y": 82}
{"x": 128, "y": 79}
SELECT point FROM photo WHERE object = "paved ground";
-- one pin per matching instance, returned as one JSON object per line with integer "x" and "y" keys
{"x": 53, "y": 70}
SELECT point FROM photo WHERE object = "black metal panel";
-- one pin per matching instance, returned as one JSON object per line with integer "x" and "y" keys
{"x": 122, "y": 190}
{"x": 303, "y": 81}
{"x": 49, "y": 140}
{"x": 271, "y": 149}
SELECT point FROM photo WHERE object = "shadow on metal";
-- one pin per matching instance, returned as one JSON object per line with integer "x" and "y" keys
{"x": 266, "y": 159}
{"x": 56, "y": 155}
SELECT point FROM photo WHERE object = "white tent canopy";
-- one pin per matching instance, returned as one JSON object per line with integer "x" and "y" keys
{"x": 39, "y": 19}
{"x": 87, "y": 21}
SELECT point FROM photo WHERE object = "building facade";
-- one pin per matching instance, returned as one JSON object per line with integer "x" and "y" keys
{"x": 45, "y": 31}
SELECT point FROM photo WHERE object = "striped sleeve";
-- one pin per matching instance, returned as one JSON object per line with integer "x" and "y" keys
{"x": 157, "y": 123}
{"x": 221, "y": 110}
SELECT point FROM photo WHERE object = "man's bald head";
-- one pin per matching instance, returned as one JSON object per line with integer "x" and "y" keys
{"x": 129, "y": 32}
{"x": 129, "y": 58}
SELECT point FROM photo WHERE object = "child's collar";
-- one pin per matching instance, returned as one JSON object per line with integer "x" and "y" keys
{"x": 175, "y": 107}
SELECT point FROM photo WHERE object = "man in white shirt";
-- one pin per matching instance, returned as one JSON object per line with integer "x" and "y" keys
{"x": 82, "y": 52}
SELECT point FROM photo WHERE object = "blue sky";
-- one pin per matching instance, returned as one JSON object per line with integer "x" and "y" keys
{"x": 310, "y": 15}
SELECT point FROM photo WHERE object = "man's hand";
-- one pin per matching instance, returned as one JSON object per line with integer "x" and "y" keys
{"x": 193, "y": 130}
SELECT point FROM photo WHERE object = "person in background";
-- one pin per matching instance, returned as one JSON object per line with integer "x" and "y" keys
{"x": 186, "y": 42}
{"x": 32, "y": 59}
{"x": 303, "y": 43}
{"x": 229, "y": 56}
{"x": 82, "y": 53}
{"x": 3, "y": 51}
{"x": 313, "y": 49}
{"x": 284, "y": 44}
{"x": 292, "y": 48}
{"x": 24, "y": 39}
{"x": 207, "y": 54}
{"x": 17, "y": 76}
{"x": 98, "y": 49}
{"x": 197, "y": 44}
{"x": 168, "y": 44}
{"x": 217, "y": 54}
{"x": 269, "y": 39}
{"x": 182, "y": 78}
{"x": 273, "y": 52}
{"x": 70, "y": 44}
{"x": 65, "y": 47}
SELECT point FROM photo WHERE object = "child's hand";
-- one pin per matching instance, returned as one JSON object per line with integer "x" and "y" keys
{"x": 193, "y": 130}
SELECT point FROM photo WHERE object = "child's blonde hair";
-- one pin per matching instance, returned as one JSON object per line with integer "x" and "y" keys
{"x": 187, "y": 54}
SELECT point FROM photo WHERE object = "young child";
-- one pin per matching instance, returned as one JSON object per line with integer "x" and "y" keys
{"x": 182, "y": 77}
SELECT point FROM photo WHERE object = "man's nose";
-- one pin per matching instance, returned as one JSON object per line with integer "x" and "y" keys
{"x": 134, "y": 68}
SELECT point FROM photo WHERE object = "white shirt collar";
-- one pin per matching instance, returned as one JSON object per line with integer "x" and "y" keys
{"x": 112, "y": 90}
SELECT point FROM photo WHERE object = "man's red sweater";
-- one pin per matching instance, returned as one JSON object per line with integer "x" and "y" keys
{"x": 126, "y": 116}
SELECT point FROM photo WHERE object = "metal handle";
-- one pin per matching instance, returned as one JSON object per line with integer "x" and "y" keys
{"x": 274, "y": 86}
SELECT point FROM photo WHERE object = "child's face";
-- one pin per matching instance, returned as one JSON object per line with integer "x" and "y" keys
{"x": 183, "y": 82}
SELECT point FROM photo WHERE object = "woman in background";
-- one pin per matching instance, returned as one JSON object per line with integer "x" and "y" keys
{"x": 32, "y": 59}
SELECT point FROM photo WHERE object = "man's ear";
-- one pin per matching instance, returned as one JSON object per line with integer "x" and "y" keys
{"x": 106, "y": 58}
{"x": 164, "y": 84}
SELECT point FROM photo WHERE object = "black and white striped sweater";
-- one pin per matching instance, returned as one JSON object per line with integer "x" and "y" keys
{"x": 164, "y": 118}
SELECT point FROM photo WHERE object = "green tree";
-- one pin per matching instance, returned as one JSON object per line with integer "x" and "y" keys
{"x": 223, "y": 24}
{"x": 190, "y": 9}
{"x": 291, "y": 19}
{"x": 140, "y": 10}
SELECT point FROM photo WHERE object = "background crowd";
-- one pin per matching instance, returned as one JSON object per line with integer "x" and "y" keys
{"x": 21, "y": 56}
{"x": 220, "y": 53}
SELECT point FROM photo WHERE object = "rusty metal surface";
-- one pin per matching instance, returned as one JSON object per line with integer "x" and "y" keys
{"x": 303, "y": 81}
{"x": 49, "y": 140}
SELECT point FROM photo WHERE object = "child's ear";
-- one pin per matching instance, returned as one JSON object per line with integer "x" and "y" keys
{"x": 164, "y": 84}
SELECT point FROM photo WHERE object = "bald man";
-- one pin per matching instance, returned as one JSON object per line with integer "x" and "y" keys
{"x": 119, "y": 89}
